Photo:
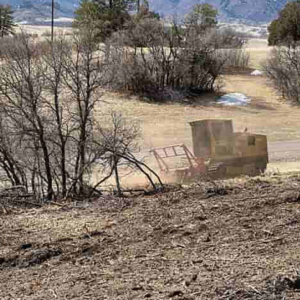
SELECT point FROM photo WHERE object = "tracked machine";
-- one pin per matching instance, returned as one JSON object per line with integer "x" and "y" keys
{"x": 218, "y": 152}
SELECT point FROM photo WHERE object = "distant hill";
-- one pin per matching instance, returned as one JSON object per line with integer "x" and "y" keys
{"x": 247, "y": 11}
{"x": 236, "y": 10}
{"x": 39, "y": 11}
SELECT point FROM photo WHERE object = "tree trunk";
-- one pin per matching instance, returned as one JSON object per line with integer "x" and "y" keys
{"x": 63, "y": 169}
{"x": 62, "y": 144}
{"x": 47, "y": 163}
{"x": 117, "y": 176}
{"x": 82, "y": 158}
{"x": 48, "y": 168}
{"x": 107, "y": 51}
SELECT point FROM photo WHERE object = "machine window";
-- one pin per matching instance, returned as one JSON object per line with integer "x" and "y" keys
{"x": 251, "y": 140}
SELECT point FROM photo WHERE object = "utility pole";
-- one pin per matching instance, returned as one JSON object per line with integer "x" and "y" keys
{"x": 2, "y": 31}
{"x": 52, "y": 22}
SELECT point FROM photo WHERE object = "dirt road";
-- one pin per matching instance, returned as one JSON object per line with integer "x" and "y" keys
{"x": 284, "y": 151}
{"x": 284, "y": 156}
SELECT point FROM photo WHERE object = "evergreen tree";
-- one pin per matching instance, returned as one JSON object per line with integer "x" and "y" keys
{"x": 202, "y": 16}
{"x": 285, "y": 30}
{"x": 7, "y": 25}
{"x": 105, "y": 16}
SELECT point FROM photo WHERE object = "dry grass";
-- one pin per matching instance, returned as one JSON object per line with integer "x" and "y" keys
{"x": 42, "y": 29}
{"x": 165, "y": 124}
{"x": 259, "y": 50}
{"x": 168, "y": 123}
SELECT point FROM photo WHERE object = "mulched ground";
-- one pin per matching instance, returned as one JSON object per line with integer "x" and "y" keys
{"x": 236, "y": 239}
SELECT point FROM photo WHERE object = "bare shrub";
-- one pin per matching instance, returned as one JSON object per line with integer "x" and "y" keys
{"x": 46, "y": 127}
{"x": 228, "y": 38}
{"x": 153, "y": 57}
{"x": 22, "y": 84}
{"x": 283, "y": 70}
{"x": 46, "y": 33}
{"x": 16, "y": 41}
{"x": 11, "y": 160}
{"x": 117, "y": 141}
{"x": 235, "y": 58}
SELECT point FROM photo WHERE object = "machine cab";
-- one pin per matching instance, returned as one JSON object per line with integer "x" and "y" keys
{"x": 212, "y": 138}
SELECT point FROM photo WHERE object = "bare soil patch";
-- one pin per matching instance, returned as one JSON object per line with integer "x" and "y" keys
{"x": 236, "y": 239}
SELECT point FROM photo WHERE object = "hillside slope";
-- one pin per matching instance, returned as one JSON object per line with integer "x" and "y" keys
{"x": 246, "y": 10}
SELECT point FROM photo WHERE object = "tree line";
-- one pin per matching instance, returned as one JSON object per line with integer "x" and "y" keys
{"x": 51, "y": 142}
{"x": 159, "y": 58}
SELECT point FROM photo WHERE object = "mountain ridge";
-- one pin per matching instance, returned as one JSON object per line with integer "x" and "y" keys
{"x": 244, "y": 10}
{"x": 39, "y": 11}
{"x": 229, "y": 10}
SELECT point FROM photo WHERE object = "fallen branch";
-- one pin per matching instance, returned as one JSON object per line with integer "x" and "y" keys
{"x": 27, "y": 202}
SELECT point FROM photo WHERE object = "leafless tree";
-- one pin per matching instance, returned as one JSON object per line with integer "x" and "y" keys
{"x": 22, "y": 83}
{"x": 42, "y": 119}
{"x": 54, "y": 60}
{"x": 85, "y": 72}
{"x": 50, "y": 142}
{"x": 10, "y": 155}
{"x": 117, "y": 143}
{"x": 282, "y": 68}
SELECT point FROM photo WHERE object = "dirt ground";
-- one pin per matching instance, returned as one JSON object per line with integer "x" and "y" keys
{"x": 236, "y": 239}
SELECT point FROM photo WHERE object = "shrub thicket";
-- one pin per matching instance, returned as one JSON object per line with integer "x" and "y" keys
{"x": 154, "y": 57}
